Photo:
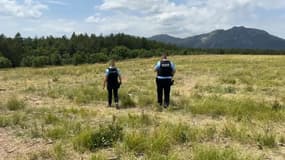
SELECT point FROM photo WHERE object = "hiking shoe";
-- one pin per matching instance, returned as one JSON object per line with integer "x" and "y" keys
{"x": 166, "y": 106}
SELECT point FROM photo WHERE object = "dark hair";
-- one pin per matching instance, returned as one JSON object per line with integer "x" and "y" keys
{"x": 164, "y": 56}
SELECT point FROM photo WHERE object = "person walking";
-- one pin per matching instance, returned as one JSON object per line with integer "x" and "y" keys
{"x": 112, "y": 80}
{"x": 165, "y": 70}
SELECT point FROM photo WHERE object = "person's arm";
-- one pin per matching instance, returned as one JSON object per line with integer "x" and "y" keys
{"x": 120, "y": 79}
{"x": 173, "y": 68}
{"x": 105, "y": 79}
{"x": 156, "y": 67}
{"x": 119, "y": 76}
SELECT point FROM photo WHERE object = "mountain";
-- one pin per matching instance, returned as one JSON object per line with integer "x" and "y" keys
{"x": 236, "y": 37}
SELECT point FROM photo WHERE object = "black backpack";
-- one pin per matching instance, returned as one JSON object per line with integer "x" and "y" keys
{"x": 112, "y": 78}
{"x": 165, "y": 69}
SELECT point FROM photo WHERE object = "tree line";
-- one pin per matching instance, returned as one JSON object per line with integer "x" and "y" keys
{"x": 84, "y": 48}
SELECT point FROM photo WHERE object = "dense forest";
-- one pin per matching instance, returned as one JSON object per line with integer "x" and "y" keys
{"x": 84, "y": 48}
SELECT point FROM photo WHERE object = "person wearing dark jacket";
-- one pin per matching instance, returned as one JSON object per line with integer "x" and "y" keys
{"x": 112, "y": 80}
{"x": 165, "y": 71}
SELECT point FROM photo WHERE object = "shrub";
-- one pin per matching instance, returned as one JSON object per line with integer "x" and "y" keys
{"x": 121, "y": 52}
{"x": 55, "y": 59}
{"x": 40, "y": 61}
{"x": 27, "y": 62}
{"x": 98, "y": 57}
{"x": 5, "y": 62}
{"x": 78, "y": 58}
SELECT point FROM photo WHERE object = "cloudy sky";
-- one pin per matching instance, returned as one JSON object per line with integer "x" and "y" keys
{"x": 179, "y": 18}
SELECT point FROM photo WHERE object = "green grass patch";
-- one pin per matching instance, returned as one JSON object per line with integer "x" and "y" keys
{"x": 215, "y": 153}
{"x": 241, "y": 109}
{"x": 104, "y": 136}
{"x": 14, "y": 104}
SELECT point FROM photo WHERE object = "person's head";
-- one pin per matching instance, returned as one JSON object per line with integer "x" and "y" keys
{"x": 164, "y": 56}
{"x": 112, "y": 63}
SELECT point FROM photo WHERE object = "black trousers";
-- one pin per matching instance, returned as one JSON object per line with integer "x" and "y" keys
{"x": 112, "y": 90}
{"x": 163, "y": 88}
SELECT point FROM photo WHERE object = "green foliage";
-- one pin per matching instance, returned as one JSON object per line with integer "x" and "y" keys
{"x": 120, "y": 52}
{"x": 55, "y": 59}
{"x": 104, "y": 136}
{"x": 267, "y": 139}
{"x": 14, "y": 104}
{"x": 78, "y": 58}
{"x": 51, "y": 118}
{"x": 98, "y": 57}
{"x": 57, "y": 132}
{"x": 40, "y": 61}
{"x": 137, "y": 142}
{"x": 5, "y": 62}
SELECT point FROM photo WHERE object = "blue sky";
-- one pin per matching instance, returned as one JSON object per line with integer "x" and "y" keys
{"x": 179, "y": 18}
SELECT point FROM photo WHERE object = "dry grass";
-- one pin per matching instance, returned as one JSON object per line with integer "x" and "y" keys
{"x": 226, "y": 107}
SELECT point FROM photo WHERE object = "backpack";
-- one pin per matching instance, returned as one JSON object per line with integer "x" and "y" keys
{"x": 165, "y": 69}
{"x": 112, "y": 76}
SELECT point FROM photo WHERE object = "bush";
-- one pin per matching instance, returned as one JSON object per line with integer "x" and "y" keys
{"x": 5, "y": 62}
{"x": 121, "y": 51}
{"x": 55, "y": 59}
{"x": 27, "y": 62}
{"x": 40, "y": 61}
{"x": 78, "y": 58}
{"x": 98, "y": 57}
{"x": 105, "y": 136}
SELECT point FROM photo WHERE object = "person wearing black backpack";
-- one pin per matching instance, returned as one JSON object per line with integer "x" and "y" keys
{"x": 165, "y": 71}
{"x": 113, "y": 80}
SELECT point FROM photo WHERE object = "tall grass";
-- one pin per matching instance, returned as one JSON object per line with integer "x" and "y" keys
{"x": 215, "y": 153}
{"x": 104, "y": 136}
{"x": 14, "y": 104}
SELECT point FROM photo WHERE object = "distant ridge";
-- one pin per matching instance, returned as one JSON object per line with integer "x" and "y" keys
{"x": 236, "y": 37}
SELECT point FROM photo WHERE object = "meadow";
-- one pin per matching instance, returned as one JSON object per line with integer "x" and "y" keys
{"x": 223, "y": 107}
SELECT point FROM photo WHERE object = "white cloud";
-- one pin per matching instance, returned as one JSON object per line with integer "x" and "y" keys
{"x": 57, "y": 2}
{"x": 95, "y": 19}
{"x": 150, "y": 17}
{"x": 28, "y": 8}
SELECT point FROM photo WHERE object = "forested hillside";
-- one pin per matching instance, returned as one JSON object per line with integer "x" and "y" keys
{"x": 79, "y": 48}
{"x": 89, "y": 49}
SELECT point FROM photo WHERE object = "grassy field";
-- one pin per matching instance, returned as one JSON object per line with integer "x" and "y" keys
{"x": 223, "y": 108}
